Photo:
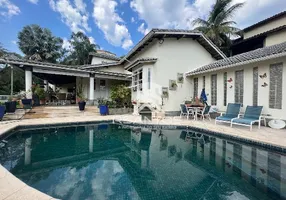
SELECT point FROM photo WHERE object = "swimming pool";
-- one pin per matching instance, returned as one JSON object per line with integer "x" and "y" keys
{"x": 110, "y": 161}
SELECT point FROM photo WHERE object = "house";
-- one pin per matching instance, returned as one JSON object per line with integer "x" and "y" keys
{"x": 160, "y": 59}
{"x": 169, "y": 66}
{"x": 252, "y": 78}
{"x": 265, "y": 33}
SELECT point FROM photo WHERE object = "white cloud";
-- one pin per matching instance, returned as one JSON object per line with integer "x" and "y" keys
{"x": 8, "y": 9}
{"x": 33, "y": 1}
{"x": 75, "y": 17}
{"x": 66, "y": 44}
{"x": 142, "y": 29}
{"x": 111, "y": 24}
{"x": 14, "y": 42}
{"x": 91, "y": 40}
{"x": 181, "y": 13}
{"x": 123, "y": 1}
{"x": 132, "y": 19}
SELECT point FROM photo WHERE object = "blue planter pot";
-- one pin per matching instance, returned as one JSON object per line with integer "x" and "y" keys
{"x": 27, "y": 103}
{"x": 103, "y": 109}
{"x": 81, "y": 105}
{"x": 2, "y": 112}
{"x": 10, "y": 106}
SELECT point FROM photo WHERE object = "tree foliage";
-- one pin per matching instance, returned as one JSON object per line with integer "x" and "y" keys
{"x": 80, "y": 49}
{"x": 39, "y": 44}
{"x": 218, "y": 26}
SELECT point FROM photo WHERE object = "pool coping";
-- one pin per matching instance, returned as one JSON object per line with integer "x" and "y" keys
{"x": 39, "y": 195}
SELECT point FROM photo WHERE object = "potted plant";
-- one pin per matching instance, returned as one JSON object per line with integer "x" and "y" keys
{"x": 27, "y": 103}
{"x": 40, "y": 92}
{"x": 80, "y": 97}
{"x": 2, "y": 111}
{"x": 103, "y": 107}
{"x": 10, "y": 105}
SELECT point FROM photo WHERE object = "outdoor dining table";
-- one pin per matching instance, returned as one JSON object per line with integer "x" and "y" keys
{"x": 196, "y": 109}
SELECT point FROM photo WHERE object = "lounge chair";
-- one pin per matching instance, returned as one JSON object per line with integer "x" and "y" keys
{"x": 185, "y": 111}
{"x": 205, "y": 113}
{"x": 252, "y": 115}
{"x": 232, "y": 111}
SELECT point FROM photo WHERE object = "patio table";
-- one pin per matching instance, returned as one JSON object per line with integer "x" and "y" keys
{"x": 196, "y": 108}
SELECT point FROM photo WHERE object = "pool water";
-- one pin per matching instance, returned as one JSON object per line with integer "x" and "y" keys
{"x": 109, "y": 161}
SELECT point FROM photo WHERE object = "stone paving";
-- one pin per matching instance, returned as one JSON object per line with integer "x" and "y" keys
{"x": 13, "y": 188}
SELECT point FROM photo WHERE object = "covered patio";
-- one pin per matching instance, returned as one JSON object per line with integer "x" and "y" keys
{"x": 65, "y": 79}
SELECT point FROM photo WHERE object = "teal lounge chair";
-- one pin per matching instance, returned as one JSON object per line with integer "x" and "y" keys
{"x": 205, "y": 113}
{"x": 185, "y": 111}
{"x": 232, "y": 111}
{"x": 252, "y": 115}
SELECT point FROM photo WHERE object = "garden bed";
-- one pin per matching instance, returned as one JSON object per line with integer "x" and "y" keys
{"x": 120, "y": 111}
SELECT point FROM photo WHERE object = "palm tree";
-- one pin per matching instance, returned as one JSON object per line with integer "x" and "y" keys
{"x": 39, "y": 44}
{"x": 218, "y": 26}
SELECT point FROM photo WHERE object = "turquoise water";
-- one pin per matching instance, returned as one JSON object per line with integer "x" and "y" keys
{"x": 117, "y": 162}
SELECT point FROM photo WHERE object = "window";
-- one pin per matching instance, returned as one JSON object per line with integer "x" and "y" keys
{"x": 102, "y": 84}
{"x": 255, "y": 86}
{"x": 137, "y": 80}
{"x": 140, "y": 75}
{"x": 149, "y": 78}
{"x": 204, "y": 82}
{"x": 214, "y": 89}
{"x": 275, "y": 88}
{"x": 196, "y": 85}
{"x": 238, "y": 94}
{"x": 225, "y": 88}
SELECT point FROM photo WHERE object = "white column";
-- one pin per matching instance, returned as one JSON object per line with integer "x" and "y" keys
{"x": 46, "y": 85}
{"x": 28, "y": 143}
{"x": 28, "y": 82}
{"x": 91, "y": 141}
{"x": 91, "y": 88}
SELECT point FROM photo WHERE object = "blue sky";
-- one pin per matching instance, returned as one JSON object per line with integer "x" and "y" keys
{"x": 116, "y": 25}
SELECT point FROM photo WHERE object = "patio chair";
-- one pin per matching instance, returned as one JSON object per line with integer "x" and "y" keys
{"x": 205, "y": 113}
{"x": 185, "y": 111}
{"x": 62, "y": 97}
{"x": 252, "y": 115}
{"x": 232, "y": 111}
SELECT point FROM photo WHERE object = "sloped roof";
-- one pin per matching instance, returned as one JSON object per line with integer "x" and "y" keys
{"x": 257, "y": 55}
{"x": 104, "y": 55}
{"x": 265, "y": 21}
{"x": 140, "y": 61}
{"x": 175, "y": 33}
{"x": 74, "y": 68}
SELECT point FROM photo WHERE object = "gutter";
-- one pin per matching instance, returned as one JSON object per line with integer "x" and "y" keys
{"x": 239, "y": 64}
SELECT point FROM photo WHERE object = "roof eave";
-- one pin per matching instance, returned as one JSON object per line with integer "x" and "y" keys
{"x": 238, "y": 64}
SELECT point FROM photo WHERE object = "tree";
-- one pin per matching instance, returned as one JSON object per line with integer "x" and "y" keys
{"x": 39, "y": 44}
{"x": 80, "y": 46}
{"x": 218, "y": 26}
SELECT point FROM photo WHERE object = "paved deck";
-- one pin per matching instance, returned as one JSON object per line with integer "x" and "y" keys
{"x": 13, "y": 188}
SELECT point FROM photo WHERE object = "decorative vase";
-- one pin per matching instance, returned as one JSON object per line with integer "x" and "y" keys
{"x": 27, "y": 103}
{"x": 81, "y": 105}
{"x": 10, "y": 106}
{"x": 103, "y": 109}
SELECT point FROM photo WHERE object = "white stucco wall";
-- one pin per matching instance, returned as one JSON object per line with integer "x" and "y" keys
{"x": 98, "y": 93}
{"x": 118, "y": 69}
{"x": 174, "y": 56}
{"x": 275, "y": 38}
{"x": 266, "y": 27}
{"x": 263, "y": 92}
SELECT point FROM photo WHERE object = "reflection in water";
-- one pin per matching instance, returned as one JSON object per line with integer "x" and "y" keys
{"x": 110, "y": 162}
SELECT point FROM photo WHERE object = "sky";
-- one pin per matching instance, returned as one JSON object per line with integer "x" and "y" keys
{"x": 117, "y": 25}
